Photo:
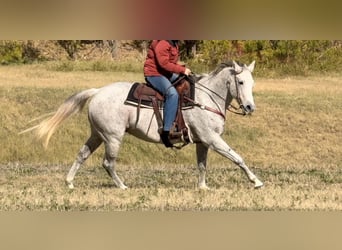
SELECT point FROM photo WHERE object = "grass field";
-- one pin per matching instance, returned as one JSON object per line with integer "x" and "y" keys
{"x": 292, "y": 142}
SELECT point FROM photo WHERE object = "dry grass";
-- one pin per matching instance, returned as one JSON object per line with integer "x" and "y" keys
{"x": 292, "y": 142}
{"x": 163, "y": 188}
{"x": 39, "y": 76}
{"x": 298, "y": 122}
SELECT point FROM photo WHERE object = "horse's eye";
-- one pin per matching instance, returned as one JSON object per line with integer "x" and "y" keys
{"x": 241, "y": 82}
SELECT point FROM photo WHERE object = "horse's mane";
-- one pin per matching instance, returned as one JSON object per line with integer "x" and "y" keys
{"x": 218, "y": 69}
{"x": 224, "y": 65}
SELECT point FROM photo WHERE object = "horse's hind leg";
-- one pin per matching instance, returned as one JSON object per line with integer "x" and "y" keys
{"x": 112, "y": 148}
{"x": 87, "y": 149}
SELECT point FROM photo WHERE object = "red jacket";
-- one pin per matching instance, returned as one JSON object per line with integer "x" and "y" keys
{"x": 162, "y": 58}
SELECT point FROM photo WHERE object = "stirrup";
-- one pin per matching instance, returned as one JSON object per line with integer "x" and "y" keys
{"x": 179, "y": 140}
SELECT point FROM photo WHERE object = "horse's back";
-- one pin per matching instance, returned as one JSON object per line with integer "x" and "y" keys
{"x": 109, "y": 102}
{"x": 110, "y": 94}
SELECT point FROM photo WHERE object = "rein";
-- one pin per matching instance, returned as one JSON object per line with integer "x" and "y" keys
{"x": 204, "y": 107}
{"x": 224, "y": 99}
{"x": 238, "y": 98}
{"x": 231, "y": 108}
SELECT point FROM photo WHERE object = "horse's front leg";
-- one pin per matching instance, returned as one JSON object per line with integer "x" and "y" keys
{"x": 221, "y": 147}
{"x": 202, "y": 152}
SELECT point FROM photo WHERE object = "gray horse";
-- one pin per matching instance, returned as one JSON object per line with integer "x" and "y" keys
{"x": 110, "y": 118}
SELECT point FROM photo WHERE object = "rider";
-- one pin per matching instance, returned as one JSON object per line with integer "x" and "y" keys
{"x": 160, "y": 69}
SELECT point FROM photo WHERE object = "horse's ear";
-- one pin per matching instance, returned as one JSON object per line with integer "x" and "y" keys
{"x": 237, "y": 67}
{"x": 251, "y": 66}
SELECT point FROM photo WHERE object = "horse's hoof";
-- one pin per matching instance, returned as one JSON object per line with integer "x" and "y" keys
{"x": 123, "y": 187}
{"x": 70, "y": 185}
{"x": 258, "y": 184}
{"x": 204, "y": 187}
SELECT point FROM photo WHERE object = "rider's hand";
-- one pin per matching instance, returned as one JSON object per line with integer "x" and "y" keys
{"x": 187, "y": 71}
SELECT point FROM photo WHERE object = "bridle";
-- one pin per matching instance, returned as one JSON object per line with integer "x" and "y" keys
{"x": 238, "y": 98}
{"x": 230, "y": 108}
{"x": 204, "y": 107}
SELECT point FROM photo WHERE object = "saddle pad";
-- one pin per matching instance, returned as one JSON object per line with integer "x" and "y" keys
{"x": 144, "y": 91}
{"x": 133, "y": 96}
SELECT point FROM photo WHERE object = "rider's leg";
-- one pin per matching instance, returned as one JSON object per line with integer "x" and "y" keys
{"x": 163, "y": 85}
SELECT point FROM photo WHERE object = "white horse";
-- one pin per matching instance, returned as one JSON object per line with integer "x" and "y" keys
{"x": 110, "y": 119}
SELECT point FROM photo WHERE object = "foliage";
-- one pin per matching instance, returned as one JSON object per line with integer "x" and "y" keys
{"x": 285, "y": 57}
{"x": 70, "y": 46}
{"x": 10, "y": 52}
{"x": 274, "y": 57}
{"x": 216, "y": 51}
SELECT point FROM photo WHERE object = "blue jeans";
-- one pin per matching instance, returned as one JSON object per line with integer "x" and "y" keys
{"x": 164, "y": 86}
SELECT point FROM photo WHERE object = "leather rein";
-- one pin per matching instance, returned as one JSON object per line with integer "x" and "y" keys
{"x": 204, "y": 107}
{"x": 230, "y": 107}
{"x": 238, "y": 98}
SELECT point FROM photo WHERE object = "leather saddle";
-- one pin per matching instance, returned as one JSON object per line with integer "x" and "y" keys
{"x": 143, "y": 95}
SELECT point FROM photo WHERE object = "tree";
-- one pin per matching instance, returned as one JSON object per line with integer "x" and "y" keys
{"x": 70, "y": 46}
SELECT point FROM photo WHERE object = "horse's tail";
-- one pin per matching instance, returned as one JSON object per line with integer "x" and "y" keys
{"x": 71, "y": 106}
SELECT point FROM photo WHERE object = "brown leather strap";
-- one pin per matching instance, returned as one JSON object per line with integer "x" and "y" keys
{"x": 157, "y": 112}
{"x": 138, "y": 113}
{"x": 205, "y": 107}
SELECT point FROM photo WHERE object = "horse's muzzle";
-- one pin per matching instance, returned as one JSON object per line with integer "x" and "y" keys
{"x": 248, "y": 109}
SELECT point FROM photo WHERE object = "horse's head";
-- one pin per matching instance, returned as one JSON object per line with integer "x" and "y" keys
{"x": 242, "y": 87}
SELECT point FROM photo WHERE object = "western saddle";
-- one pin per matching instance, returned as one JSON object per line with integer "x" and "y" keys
{"x": 144, "y": 95}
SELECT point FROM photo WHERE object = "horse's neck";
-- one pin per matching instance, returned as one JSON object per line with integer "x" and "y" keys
{"x": 219, "y": 89}
{"x": 228, "y": 77}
